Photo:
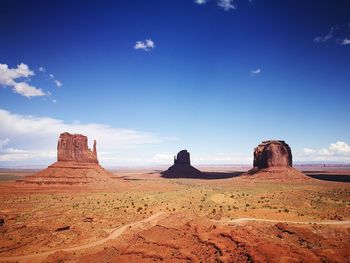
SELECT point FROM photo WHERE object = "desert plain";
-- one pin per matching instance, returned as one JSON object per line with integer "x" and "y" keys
{"x": 142, "y": 217}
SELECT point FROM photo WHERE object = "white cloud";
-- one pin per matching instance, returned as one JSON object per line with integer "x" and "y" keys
{"x": 54, "y": 101}
{"x": 3, "y": 143}
{"x": 345, "y": 41}
{"x": 339, "y": 148}
{"x": 324, "y": 152}
{"x": 255, "y": 72}
{"x": 226, "y": 4}
{"x": 309, "y": 150}
{"x": 29, "y": 137}
{"x": 146, "y": 45}
{"x": 200, "y": 1}
{"x": 9, "y": 153}
{"x": 41, "y": 69}
{"x": 338, "y": 151}
{"x": 162, "y": 158}
{"x": 58, "y": 83}
{"x": 11, "y": 78}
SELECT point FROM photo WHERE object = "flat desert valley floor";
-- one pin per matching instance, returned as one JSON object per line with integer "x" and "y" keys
{"x": 142, "y": 217}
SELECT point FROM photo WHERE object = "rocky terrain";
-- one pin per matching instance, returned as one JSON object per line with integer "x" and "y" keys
{"x": 76, "y": 212}
{"x": 150, "y": 218}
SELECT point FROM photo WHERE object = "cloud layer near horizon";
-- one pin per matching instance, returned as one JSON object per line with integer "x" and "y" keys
{"x": 335, "y": 152}
{"x": 28, "y": 138}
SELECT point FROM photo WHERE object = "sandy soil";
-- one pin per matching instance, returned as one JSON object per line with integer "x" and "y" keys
{"x": 143, "y": 217}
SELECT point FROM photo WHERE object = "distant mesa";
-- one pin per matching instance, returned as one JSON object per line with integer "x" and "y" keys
{"x": 76, "y": 164}
{"x": 182, "y": 167}
{"x": 273, "y": 161}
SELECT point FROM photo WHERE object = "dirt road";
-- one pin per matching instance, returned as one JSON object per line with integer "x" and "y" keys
{"x": 142, "y": 224}
{"x": 250, "y": 219}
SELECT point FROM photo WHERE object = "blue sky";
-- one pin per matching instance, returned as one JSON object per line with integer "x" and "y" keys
{"x": 149, "y": 78}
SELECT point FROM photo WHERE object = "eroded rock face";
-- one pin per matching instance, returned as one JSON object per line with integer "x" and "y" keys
{"x": 74, "y": 147}
{"x": 272, "y": 154}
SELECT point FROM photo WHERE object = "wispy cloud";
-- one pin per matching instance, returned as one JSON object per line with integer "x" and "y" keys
{"x": 255, "y": 72}
{"x": 345, "y": 41}
{"x": 200, "y": 2}
{"x": 325, "y": 38}
{"x": 41, "y": 69}
{"x": 58, "y": 83}
{"x": 55, "y": 81}
{"x": 18, "y": 78}
{"x": 145, "y": 45}
{"x": 338, "y": 34}
{"x": 227, "y": 5}
{"x": 27, "y": 137}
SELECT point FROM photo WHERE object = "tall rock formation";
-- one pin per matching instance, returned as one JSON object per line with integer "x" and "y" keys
{"x": 76, "y": 164}
{"x": 182, "y": 167}
{"x": 74, "y": 147}
{"x": 182, "y": 158}
{"x": 272, "y": 154}
{"x": 273, "y": 162}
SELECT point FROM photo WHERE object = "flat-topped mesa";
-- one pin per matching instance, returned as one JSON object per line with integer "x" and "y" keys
{"x": 272, "y": 153}
{"x": 74, "y": 148}
{"x": 183, "y": 157}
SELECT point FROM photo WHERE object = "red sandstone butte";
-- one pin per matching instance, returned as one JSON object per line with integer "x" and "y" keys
{"x": 74, "y": 147}
{"x": 272, "y": 154}
{"x": 76, "y": 164}
{"x": 273, "y": 161}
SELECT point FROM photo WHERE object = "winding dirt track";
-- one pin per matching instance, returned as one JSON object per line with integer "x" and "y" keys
{"x": 251, "y": 219}
{"x": 145, "y": 223}
{"x": 114, "y": 234}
